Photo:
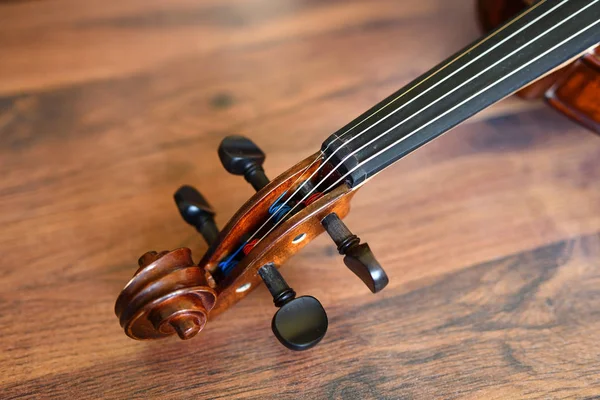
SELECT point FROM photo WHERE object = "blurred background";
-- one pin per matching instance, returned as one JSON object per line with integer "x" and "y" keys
{"x": 106, "y": 108}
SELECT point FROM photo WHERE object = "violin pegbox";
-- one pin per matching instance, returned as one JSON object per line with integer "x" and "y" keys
{"x": 170, "y": 294}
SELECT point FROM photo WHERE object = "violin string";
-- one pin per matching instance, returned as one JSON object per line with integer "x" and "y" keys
{"x": 448, "y": 93}
{"x": 338, "y": 137}
{"x": 460, "y": 104}
{"x": 410, "y": 134}
{"x": 454, "y": 60}
{"x": 440, "y": 116}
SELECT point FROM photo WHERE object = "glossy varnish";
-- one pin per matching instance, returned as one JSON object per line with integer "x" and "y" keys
{"x": 490, "y": 235}
{"x": 573, "y": 89}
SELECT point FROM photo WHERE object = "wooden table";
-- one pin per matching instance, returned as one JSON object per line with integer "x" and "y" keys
{"x": 490, "y": 235}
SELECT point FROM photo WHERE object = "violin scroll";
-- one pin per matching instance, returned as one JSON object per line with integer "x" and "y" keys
{"x": 168, "y": 294}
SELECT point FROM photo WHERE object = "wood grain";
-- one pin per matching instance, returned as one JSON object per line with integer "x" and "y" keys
{"x": 490, "y": 235}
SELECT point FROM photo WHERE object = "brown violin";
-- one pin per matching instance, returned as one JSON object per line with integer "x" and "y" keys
{"x": 573, "y": 89}
{"x": 170, "y": 294}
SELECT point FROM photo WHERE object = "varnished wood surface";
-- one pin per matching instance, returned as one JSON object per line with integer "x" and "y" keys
{"x": 571, "y": 88}
{"x": 490, "y": 235}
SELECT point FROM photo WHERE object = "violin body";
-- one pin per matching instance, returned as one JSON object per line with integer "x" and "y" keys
{"x": 573, "y": 89}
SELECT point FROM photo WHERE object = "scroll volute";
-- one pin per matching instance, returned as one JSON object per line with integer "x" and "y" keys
{"x": 283, "y": 242}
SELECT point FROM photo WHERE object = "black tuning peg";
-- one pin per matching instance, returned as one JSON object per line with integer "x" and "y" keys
{"x": 196, "y": 211}
{"x": 300, "y": 323}
{"x": 358, "y": 257}
{"x": 240, "y": 156}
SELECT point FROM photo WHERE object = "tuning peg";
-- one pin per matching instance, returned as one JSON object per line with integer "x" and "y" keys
{"x": 196, "y": 211}
{"x": 300, "y": 323}
{"x": 358, "y": 257}
{"x": 240, "y": 156}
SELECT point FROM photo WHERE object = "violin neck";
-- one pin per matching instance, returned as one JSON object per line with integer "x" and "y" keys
{"x": 541, "y": 38}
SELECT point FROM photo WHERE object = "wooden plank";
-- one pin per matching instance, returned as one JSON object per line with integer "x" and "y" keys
{"x": 489, "y": 234}
{"x": 521, "y": 326}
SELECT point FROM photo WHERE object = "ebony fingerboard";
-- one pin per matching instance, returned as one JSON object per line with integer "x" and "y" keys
{"x": 532, "y": 44}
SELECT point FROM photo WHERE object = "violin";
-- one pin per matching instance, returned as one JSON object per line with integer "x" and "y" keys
{"x": 573, "y": 89}
{"x": 170, "y": 294}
